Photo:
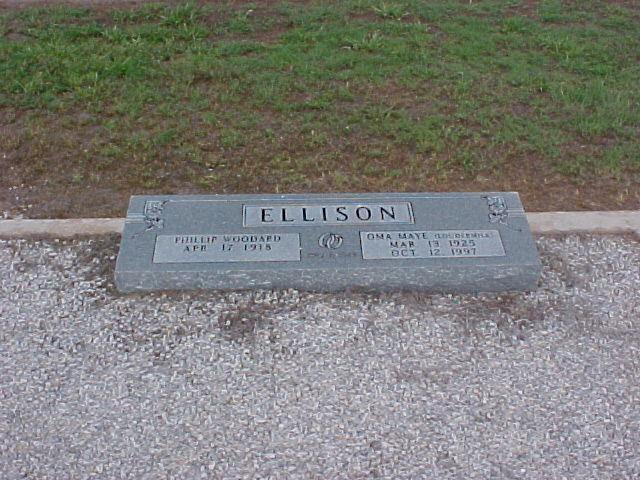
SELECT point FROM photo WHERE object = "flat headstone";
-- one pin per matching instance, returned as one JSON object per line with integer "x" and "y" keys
{"x": 437, "y": 242}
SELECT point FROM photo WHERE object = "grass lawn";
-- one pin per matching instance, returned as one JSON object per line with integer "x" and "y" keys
{"x": 100, "y": 102}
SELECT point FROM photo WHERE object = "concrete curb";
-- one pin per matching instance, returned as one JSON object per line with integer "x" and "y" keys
{"x": 624, "y": 221}
{"x": 62, "y": 228}
{"x": 615, "y": 222}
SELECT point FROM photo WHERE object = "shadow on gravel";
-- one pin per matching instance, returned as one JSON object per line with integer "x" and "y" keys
{"x": 561, "y": 300}
{"x": 100, "y": 258}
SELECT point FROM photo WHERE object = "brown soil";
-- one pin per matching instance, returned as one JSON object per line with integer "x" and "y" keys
{"x": 49, "y": 191}
{"x": 47, "y": 172}
{"x": 50, "y": 171}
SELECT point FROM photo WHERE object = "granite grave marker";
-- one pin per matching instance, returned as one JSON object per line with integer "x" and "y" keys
{"x": 437, "y": 242}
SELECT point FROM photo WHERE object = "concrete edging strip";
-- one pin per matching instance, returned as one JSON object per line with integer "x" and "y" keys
{"x": 60, "y": 228}
{"x": 623, "y": 221}
{"x": 614, "y": 222}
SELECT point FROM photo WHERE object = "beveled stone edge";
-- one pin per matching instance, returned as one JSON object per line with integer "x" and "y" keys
{"x": 603, "y": 222}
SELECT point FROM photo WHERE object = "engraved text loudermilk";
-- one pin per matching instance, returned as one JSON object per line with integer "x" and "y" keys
{"x": 431, "y": 244}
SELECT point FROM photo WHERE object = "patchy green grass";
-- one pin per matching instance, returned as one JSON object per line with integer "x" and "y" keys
{"x": 332, "y": 95}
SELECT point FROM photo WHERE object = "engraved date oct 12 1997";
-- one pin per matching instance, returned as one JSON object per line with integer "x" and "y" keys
{"x": 431, "y": 244}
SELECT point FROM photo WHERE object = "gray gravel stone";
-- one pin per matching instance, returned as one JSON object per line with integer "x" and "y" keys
{"x": 282, "y": 384}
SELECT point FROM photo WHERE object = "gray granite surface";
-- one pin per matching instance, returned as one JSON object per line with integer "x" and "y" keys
{"x": 455, "y": 242}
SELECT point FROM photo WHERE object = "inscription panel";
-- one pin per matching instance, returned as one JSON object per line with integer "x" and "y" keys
{"x": 227, "y": 247}
{"x": 431, "y": 244}
{"x": 326, "y": 214}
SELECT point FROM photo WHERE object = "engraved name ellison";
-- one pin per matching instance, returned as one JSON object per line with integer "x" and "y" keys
{"x": 263, "y": 215}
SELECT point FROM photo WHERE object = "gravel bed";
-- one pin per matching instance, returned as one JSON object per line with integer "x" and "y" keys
{"x": 285, "y": 384}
